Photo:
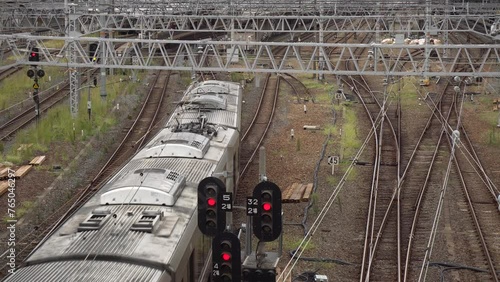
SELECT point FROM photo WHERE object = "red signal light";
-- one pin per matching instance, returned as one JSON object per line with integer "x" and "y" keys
{"x": 226, "y": 256}
{"x": 211, "y": 202}
{"x": 266, "y": 206}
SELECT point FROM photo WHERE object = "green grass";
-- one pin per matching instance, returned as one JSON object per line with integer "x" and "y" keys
{"x": 293, "y": 242}
{"x": 237, "y": 76}
{"x": 59, "y": 125}
{"x": 25, "y": 207}
{"x": 409, "y": 94}
{"x": 54, "y": 44}
{"x": 312, "y": 83}
{"x": 185, "y": 77}
{"x": 18, "y": 86}
{"x": 21, "y": 210}
{"x": 492, "y": 136}
{"x": 323, "y": 97}
{"x": 350, "y": 142}
{"x": 331, "y": 129}
{"x": 482, "y": 109}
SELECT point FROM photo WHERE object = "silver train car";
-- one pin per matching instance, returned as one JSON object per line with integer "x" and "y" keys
{"x": 142, "y": 225}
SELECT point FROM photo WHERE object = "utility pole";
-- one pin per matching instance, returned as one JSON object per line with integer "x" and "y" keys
{"x": 377, "y": 25}
{"x": 446, "y": 20}
{"x": 103, "y": 50}
{"x": 73, "y": 72}
{"x": 322, "y": 56}
{"x": 427, "y": 38}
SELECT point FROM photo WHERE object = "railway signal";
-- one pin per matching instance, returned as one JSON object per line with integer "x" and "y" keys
{"x": 30, "y": 73}
{"x": 211, "y": 216}
{"x": 267, "y": 224}
{"x": 92, "y": 51}
{"x": 34, "y": 56}
{"x": 40, "y": 73}
{"x": 261, "y": 275}
{"x": 226, "y": 258}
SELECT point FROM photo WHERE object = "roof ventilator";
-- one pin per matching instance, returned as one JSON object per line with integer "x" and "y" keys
{"x": 95, "y": 221}
{"x": 147, "y": 222}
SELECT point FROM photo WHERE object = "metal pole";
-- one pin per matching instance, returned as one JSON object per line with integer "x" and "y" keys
{"x": 230, "y": 182}
{"x": 262, "y": 164}
{"x": 73, "y": 72}
{"x": 36, "y": 98}
{"x": 103, "y": 52}
{"x": 321, "y": 60}
{"x": 248, "y": 236}
{"x": 89, "y": 104}
{"x": 427, "y": 37}
{"x": 446, "y": 20}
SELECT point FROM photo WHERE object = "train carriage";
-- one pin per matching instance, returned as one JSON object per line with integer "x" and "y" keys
{"x": 142, "y": 224}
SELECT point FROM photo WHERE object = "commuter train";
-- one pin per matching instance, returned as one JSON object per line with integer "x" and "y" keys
{"x": 142, "y": 224}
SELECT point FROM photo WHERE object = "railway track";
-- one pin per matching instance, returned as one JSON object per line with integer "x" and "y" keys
{"x": 380, "y": 256}
{"x": 254, "y": 136}
{"x": 421, "y": 193}
{"x": 300, "y": 90}
{"x": 147, "y": 117}
{"x": 419, "y": 199}
{"x": 442, "y": 201}
{"x": 27, "y": 114}
{"x": 479, "y": 195}
{"x": 24, "y": 113}
{"x": 8, "y": 72}
{"x": 382, "y": 238}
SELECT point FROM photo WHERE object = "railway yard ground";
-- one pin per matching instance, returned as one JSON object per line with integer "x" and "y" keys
{"x": 334, "y": 248}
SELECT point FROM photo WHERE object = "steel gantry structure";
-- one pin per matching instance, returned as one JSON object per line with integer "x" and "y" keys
{"x": 255, "y": 15}
{"x": 158, "y": 23}
{"x": 475, "y": 60}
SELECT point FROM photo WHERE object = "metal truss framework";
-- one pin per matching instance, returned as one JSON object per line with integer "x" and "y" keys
{"x": 266, "y": 24}
{"x": 396, "y": 59}
{"x": 243, "y": 16}
{"x": 281, "y": 7}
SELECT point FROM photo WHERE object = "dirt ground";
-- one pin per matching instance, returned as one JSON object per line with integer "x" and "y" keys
{"x": 334, "y": 247}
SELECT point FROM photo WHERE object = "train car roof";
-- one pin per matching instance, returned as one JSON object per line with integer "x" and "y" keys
{"x": 130, "y": 230}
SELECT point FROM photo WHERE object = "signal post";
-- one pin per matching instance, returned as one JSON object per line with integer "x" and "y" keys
{"x": 264, "y": 212}
{"x": 265, "y": 209}
{"x": 34, "y": 56}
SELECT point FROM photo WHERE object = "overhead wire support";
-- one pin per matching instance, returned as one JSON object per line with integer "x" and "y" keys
{"x": 481, "y": 66}
{"x": 72, "y": 58}
{"x": 427, "y": 38}
{"x": 103, "y": 34}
